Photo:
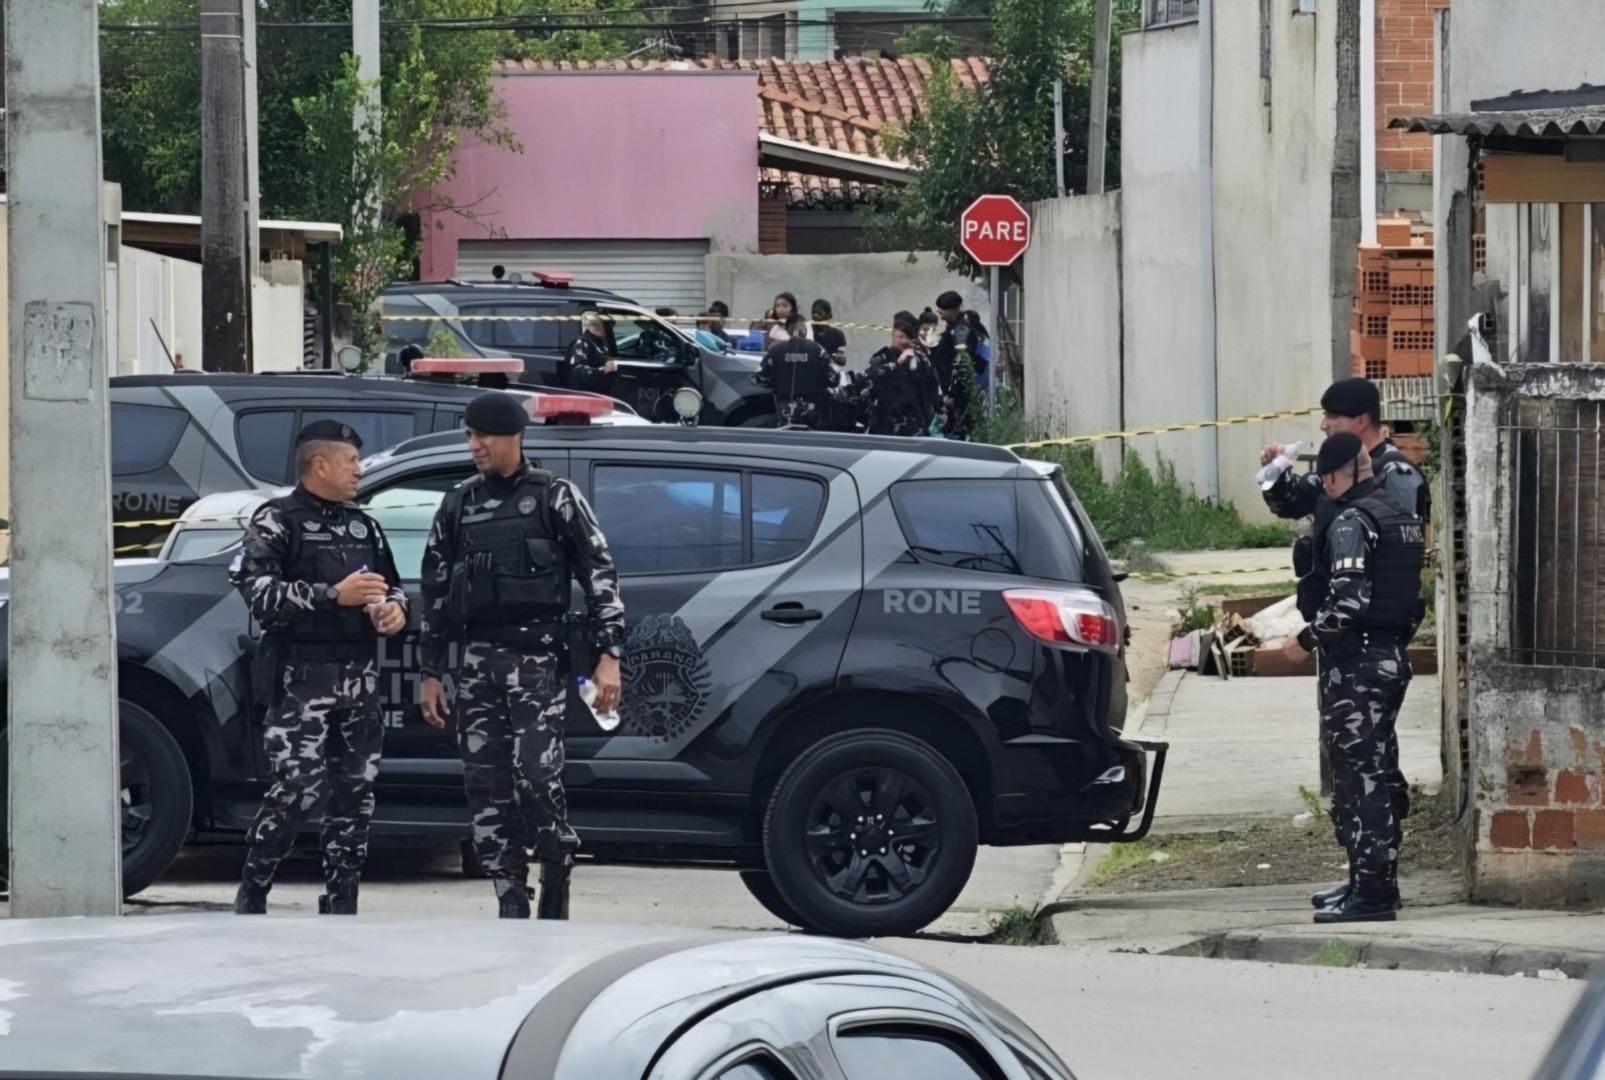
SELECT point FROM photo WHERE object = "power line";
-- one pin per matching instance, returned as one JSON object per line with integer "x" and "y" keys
{"x": 525, "y": 23}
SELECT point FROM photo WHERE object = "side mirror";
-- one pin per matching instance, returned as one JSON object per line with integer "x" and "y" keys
{"x": 1120, "y": 576}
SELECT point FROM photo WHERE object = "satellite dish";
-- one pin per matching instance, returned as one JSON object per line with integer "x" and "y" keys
{"x": 349, "y": 358}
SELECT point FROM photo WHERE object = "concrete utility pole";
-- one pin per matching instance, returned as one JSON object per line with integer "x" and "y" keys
{"x": 365, "y": 47}
{"x": 1098, "y": 124}
{"x": 65, "y": 806}
{"x": 225, "y": 213}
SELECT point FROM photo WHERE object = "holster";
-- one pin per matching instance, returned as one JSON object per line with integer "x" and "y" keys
{"x": 265, "y": 666}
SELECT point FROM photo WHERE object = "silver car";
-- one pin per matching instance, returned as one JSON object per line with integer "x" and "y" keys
{"x": 208, "y": 995}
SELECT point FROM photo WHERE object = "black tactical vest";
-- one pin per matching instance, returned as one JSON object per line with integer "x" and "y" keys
{"x": 1395, "y": 565}
{"x": 1310, "y": 561}
{"x": 324, "y": 549}
{"x": 508, "y": 568}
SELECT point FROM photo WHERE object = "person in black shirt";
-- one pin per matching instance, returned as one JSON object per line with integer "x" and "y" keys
{"x": 800, "y": 374}
{"x": 830, "y": 337}
{"x": 592, "y": 363}
{"x": 905, "y": 387}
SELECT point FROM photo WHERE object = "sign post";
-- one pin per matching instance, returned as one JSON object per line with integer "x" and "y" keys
{"x": 995, "y": 230}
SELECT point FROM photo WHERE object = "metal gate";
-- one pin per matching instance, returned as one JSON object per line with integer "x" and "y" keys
{"x": 653, "y": 273}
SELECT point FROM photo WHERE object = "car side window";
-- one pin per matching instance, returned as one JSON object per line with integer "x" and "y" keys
{"x": 377, "y": 430}
{"x": 785, "y": 513}
{"x": 264, "y": 437}
{"x": 643, "y": 339}
{"x": 542, "y": 333}
{"x": 971, "y": 525}
{"x": 911, "y": 1052}
{"x": 143, "y": 437}
{"x": 665, "y": 520}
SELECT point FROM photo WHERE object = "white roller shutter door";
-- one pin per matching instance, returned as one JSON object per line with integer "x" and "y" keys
{"x": 653, "y": 273}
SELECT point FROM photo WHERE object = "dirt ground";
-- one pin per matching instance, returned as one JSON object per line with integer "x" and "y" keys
{"x": 1270, "y": 852}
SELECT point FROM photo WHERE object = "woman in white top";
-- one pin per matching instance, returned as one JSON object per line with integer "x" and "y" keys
{"x": 789, "y": 322}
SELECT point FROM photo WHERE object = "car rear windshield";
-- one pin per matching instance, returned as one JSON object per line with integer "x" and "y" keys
{"x": 999, "y": 526}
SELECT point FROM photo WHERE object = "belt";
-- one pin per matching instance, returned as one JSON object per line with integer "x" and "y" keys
{"x": 522, "y": 634}
{"x": 330, "y": 652}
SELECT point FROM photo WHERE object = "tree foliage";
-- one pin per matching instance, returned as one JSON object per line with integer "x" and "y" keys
{"x": 435, "y": 86}
{"x": 999, "y": 138}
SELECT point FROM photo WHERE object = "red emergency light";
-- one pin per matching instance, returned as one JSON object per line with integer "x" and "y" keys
{"x": 554, "y": 278}
{"x": 449, "y": 365}
{"x": 551, "y": 406}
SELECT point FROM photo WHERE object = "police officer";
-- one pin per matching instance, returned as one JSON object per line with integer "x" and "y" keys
{"x": 592, "y": 363}
{"x": 904, "y": 382}
{"x": 801, "y": 375}
{"x": 1374, "y": 551}
{"x": 1353, "y": 406}
{"x": 496, "y": 575}
{"x": 319, "y": 579}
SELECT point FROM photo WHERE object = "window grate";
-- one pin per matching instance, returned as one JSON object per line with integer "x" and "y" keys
{"x": 1555, "y": 580}
{"x": 1171, "y": 12}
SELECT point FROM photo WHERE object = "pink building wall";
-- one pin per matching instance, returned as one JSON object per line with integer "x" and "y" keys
{"x": 662, "y": 155}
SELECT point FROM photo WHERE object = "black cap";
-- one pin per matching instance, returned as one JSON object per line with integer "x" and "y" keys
{"x": 328, "y": 431}
{"x": 496, "y": 413}
{"x": 949, "y": 300}
{"x": 1336, "y": 452}
{"x": 1353, "y": 397}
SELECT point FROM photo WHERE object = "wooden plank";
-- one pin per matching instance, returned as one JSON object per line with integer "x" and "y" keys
{"x": 1535, "y": 178}
{"x": 1572, "y": 274}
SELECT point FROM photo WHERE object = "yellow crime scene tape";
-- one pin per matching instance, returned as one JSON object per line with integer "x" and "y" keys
{"x": 623, "y": 317}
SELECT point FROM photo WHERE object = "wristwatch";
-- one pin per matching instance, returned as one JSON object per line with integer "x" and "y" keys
{"x": 615, "y": 651}
{"x": 331, "y": 594}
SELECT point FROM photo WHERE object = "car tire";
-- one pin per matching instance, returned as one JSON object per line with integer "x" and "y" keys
{"x": 870, "y": 833}
{"x": 764, "y": 420}
{"x": 156, "y": 807}
{"x": 762, "y": 887}
{"x": 158, "y": 797}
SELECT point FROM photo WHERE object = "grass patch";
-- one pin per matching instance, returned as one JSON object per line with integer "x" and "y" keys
{"x": 1312, "y": 802}
{"x": 1021, "y": 926}
{"x": 1275, "y": 588}
{"x": 1140, "y": 501}
{"x": 1336, "y": 953}
{"x": 1120, "y": 858}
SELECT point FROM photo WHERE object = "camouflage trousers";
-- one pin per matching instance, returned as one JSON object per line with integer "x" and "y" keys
{"x": 323, "y": 740}
{"x": 510, "y": 709}
{"x": 1360, "y": 696}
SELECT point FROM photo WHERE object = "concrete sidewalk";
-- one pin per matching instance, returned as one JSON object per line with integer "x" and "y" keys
{"x": 1244, "y": 747}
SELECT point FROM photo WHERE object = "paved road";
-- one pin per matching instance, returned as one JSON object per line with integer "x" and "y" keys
{"x": 1123, "y": 1016}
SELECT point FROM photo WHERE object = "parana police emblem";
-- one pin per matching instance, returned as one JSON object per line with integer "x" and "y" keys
{"x": 666, "y": 679}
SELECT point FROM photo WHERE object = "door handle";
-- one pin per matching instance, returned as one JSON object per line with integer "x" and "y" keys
{"x": 792, "y": 613}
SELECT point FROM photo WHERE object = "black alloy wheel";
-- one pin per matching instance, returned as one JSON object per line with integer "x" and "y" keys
{"x": 870, "y": 833}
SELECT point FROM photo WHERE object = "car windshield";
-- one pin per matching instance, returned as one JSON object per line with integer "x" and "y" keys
{"x": 188, "y": 545}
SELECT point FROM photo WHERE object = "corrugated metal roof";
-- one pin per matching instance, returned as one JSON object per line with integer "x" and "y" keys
{"x": 1527, "y": 123}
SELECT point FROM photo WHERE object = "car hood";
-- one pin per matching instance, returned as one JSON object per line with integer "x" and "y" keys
{"x": 124, "y": 572}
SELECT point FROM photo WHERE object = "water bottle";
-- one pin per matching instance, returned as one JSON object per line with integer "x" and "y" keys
{"x": 607, "y": 721}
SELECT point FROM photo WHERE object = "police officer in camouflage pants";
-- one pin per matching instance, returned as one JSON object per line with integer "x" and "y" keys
{"x": 1363, "y": 624}
{"x": 503, "y": 550}
{"x": 319, "y": 579}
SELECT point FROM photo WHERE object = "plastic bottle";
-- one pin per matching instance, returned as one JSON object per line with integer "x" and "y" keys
{"x": 608, "y": 721}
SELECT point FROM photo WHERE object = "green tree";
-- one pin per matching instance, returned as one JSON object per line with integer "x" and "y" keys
{"x": 998, "y": 138}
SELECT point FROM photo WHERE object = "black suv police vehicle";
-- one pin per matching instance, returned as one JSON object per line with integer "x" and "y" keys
{"x": 656, "y": 358}
{"x": 178, "y": 437}
{"x": 850, "y": 661}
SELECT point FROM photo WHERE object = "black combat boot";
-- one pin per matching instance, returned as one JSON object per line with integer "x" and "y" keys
{"x": 554, "y": 888}
{"x": 251, "y": 899}
{"x": 512, "y": 899}
{"x": 1369, "y": 901}
{"x": 1334, "y": 895}
{"x": 341, "y": 899}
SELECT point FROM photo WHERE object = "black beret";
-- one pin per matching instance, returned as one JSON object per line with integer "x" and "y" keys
{"x": 496, "y": 413}
{"x": 1353, "y": 397}
{"x": 949, "y": 300}
{"x": 1337, "y": 452}
{"x": 328, "y": 431}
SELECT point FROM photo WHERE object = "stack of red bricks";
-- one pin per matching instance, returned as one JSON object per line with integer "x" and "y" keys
{"x": 1548, "y": 808}
{"x": 1393, "y": 333}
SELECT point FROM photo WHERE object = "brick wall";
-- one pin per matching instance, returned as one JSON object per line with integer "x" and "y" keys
{"x": 772, "y": 225}
{"x": 1404, "y": 79}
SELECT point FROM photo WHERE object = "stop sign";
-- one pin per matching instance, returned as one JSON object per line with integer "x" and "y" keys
{"x": 995, "y": 230}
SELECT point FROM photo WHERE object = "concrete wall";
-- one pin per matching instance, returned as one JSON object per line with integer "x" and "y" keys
{"x": 1160, "y": 241}
{"x": 867, "y": 288}
{"x": 1073, "y": 383}
{"x": 277, "y": 304}
{"x": 1274, "y": 212}
{"x": 660, "y": 155}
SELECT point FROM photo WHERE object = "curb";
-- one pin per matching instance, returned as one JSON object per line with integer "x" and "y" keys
{"x": 1156, "y": 716}
{"x": 1465, "y": 955}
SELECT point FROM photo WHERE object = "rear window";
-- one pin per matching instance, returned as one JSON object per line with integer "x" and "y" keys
{"x": 996, "y": 526}
{"x": 143, "y": 436}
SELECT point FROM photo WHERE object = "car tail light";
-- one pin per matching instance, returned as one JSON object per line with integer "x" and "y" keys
{"x": 479, "y": 365}
{"x": 1063, "y": 617}
{"x": 547, "y": 406}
